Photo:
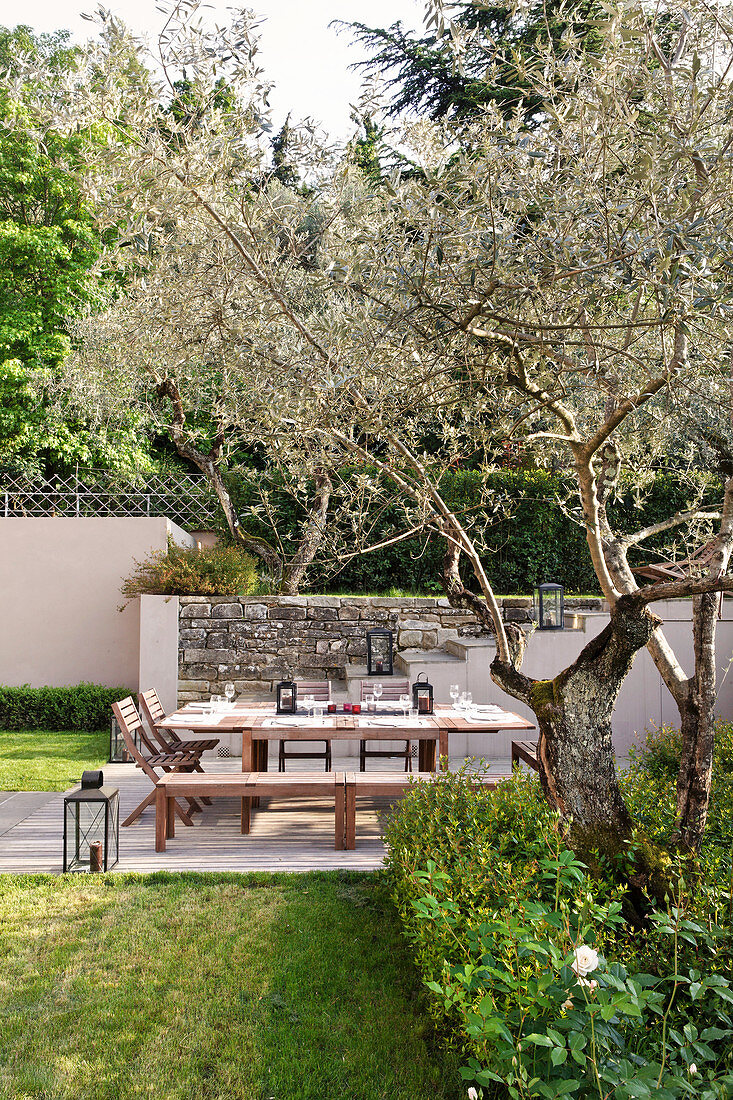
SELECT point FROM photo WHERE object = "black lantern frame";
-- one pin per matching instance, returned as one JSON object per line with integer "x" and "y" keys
{"x": 549, "y": 606}
{"x": 380, "y": 647}
{"x": 91, "y": 817}
{"x": 287, "y": 697}
{"x": 118, "y": 752}
{"x": 422, "y": 695}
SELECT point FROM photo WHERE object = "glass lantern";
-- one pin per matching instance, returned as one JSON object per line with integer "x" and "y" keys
{"x": 287, "y": 697}
{"x": 549, "y": 606}
{"x": 422, "y": 695}
{"x": 118, "y": 753}
{"x": 91, "y": 825}
{"x": 379, "y": 652}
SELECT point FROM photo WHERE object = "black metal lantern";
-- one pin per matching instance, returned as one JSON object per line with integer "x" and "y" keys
{"x": 379, "y": 652}
{"x": 118, "y": 753}
{"x": 287, "y": 697}
{"x": 91, "y": 825}
{"x": 422, "y": 695}
{"x": 549, "y": 606}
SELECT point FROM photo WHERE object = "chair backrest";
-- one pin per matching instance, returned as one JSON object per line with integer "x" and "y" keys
{"x": 391, "y": 688}
{"x": 151, "y": 706}
{"x": 129, "y": 720}
{"x": 319, "y": 689}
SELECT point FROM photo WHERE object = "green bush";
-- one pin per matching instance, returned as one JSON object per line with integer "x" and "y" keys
{"x": 527, "y": 535}
{"x": 650, "y": 786}
{"x": 82, "y": 707}
{"x": 538, "y": 984}
{"x": 219, "y": 570}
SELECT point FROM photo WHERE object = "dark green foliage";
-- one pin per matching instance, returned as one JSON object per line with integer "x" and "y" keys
{"x": 219, "y": 570}
{"x": 82, "y": 707}
{"x": 423, "y": 76}
{"x": 528, "y": 537}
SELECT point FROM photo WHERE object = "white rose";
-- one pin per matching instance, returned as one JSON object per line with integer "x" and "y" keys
{"x": 585, "y": 960}
{"x": 693, "y": 1068}
{"x": 472, "y": 1093}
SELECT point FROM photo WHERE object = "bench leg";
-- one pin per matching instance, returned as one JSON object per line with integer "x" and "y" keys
{"x": 340, "y": 807}
{"x": 245, "y": 815}
{"x": 350, "y": 830}
{"x": 160, "y": 819}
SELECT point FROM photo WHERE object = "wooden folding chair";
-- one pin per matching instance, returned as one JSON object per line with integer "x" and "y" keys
{"x": 391, "y": 691}
{"x": 321, "y": 692}
{"x": 168, "y": 740}
{"x": 129, "y": 720}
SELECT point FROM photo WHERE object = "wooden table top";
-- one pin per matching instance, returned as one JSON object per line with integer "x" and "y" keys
{"x": 258, "y": 717}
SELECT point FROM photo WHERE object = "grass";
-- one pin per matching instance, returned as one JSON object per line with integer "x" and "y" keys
{"x": 43, "y": 760}
{"x": 210, "y": 987}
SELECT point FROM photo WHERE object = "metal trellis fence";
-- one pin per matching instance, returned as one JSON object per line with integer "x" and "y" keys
{"x": 183, "y": 498}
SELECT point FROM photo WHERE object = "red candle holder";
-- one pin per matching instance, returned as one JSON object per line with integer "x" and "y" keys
{"x": 356, "y": 708}
{"x": 331, "y": 708}
{"x": 347, "y": 708}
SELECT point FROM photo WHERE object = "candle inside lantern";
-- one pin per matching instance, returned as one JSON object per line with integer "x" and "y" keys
{"x": 380, "y": 665}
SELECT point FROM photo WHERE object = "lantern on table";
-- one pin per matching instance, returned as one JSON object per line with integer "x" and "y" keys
{"x": 379, "y": 652}
{"x": 287, "y": 697}
{"x": 91, "y": 825}
{"x": 549, "y": 606}
{"x": 422, "y": 695}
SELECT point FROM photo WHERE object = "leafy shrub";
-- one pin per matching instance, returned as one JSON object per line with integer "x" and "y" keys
{"x": 219, "y": 570}
{"x": 82, "y": 707}
{"x": 528, "y": 537}
{"x": 650, "y": 785}
{"x": 539, "y": 985}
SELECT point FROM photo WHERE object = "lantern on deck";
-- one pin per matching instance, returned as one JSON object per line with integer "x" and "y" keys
{"x": 549, "y": 606}
{"x": 91, "y": 825}
{"x": 118, "y": 753}
{"x": 422, "y": 695}
{"x": 379, "y": 652}
{"x": 287, "y": 697}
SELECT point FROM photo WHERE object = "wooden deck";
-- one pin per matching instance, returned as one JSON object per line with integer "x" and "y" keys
{"x": 286, "y": 835}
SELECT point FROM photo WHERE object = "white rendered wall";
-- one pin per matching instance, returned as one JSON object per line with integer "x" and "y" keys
{"x": 60, "y": 583}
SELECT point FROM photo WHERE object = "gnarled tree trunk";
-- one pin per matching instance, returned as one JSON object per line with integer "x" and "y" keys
{"x": 697, "y": 722}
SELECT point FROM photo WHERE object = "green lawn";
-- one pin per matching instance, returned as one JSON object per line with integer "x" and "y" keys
{"x": 43, "y": 760}
{"x": 210, "y": 987}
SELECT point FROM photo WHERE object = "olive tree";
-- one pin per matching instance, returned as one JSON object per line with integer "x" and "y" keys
{"x": 572, "y": 282}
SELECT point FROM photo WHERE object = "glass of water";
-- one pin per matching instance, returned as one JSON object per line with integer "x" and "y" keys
{"x": 229, "y": 691}
{"x": 455, "y": 692}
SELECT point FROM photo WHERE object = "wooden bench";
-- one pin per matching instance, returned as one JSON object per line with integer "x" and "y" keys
{"x": 247, "y": 786}
{"x": 390, "y": 785}
{"x": 527, "y": 752}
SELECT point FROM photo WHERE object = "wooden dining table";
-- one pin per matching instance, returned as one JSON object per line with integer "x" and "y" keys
{"x": 259, "y": 724}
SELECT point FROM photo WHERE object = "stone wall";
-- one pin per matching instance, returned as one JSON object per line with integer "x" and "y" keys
{"x": 256, "y": 641}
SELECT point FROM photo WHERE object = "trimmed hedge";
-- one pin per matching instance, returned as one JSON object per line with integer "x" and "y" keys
{"x": 528, "y": 537}
{"x": 81, "y": 707}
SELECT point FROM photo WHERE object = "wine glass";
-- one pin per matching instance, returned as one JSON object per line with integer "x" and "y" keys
{"x": 469, "y": 701}
{"x": 455, "y": 692}
{"x": 229, "y": 691}
{"x": 405, "y": 704}
{"x": 377, "y": 689}
{"x": 309, "y": 703}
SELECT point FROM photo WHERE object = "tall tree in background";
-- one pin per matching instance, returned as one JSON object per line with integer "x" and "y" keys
{"x": 49, "y": 243}
{"x": 482, "y": 60}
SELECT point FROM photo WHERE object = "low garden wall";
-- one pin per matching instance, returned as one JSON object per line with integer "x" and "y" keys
{"x": 256, "y": 641}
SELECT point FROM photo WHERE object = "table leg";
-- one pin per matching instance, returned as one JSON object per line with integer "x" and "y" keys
{"x": 171, "y": 816}
{"x": 443, "y": 750}
{"x": 428, "y": 760}
{"x": 340, "y": 807}
{"x": 160, "y": 819}
{"x": 350, "y": 830}
{"x": 247, "y": 766}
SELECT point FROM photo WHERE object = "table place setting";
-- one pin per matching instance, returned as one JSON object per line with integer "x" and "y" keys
{"x": 299, "y": 720}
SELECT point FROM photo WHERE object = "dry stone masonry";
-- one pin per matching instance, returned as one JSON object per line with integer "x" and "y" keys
{"x": 256, "y": 641}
